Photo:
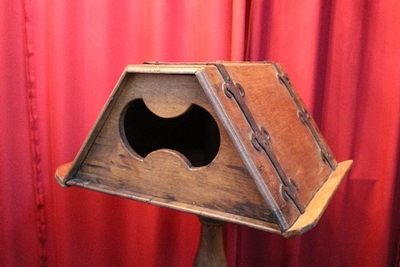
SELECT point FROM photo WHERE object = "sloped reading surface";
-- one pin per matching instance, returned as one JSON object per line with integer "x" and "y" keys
{"x": 264, "y": 104}
{"x": 194, "y": 133}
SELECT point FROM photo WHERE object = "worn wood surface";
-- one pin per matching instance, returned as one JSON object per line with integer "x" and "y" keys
{"x": 320, "y": 201}
{"x": 304, "y": 223}
{"x": 223, "y": 185}
{"x": 234, "y": 182}
{"x": 294, "y": 146}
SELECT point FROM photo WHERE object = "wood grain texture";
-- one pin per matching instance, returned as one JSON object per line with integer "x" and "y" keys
{"x": 294, "y": 146}
{"x": 223, "y": 185}
{"x": 211, "y": 251}
{"x": 236, "y": 184}
{"x": 320, "y": 201}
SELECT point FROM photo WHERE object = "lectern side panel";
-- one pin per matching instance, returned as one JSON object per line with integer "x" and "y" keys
{"x": 222, "y": 183}
{"x": 282, "y": 151}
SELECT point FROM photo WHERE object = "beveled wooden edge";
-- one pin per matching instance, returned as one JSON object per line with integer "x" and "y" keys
{"x": 304, "y": 223}
{"x": 241, "y": 149}
{"x": 62, "y": 173}
{"x": 182, "y": 67}
{"x": 163, "y": 69}
{"x": 94, "y": 131}
{"x": 318, "y": 204}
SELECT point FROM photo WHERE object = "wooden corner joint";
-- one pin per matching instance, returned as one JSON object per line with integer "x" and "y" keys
{"x": 319, "y": 203}
{"x": 62, "y": 173}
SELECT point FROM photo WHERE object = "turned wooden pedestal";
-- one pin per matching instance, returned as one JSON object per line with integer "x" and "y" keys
{"x": 211, "y": 251}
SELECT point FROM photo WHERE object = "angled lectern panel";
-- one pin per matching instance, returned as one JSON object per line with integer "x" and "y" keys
{"x": 228, "y": 141}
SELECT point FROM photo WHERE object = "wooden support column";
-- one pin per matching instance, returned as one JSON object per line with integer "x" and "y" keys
{"x": 211, "y": 251}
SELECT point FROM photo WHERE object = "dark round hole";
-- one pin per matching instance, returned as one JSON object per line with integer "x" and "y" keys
{"x": 194, "y": 133}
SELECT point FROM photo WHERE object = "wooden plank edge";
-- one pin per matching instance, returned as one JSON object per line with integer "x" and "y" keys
{"x": 304, "y": 223}
{"x": 63, "y": 170}
{"x": 318, "y": 204}
{"x": 62, "y": 173}
{"x": 162, "y": 69}
{"x": 183, "y": 207}
{"x": 238, "y": 143}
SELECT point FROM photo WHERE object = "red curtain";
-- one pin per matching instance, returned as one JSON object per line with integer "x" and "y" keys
{"x": 61, "y": 59}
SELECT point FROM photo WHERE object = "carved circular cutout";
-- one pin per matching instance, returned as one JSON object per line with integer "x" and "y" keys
{"x": 194, "y": 133}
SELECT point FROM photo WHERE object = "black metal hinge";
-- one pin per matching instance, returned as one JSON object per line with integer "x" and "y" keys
{"x": 305, "y": 118}
{"x": 260, "y": 138}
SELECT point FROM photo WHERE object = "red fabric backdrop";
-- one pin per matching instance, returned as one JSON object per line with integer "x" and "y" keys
{"x": 61, "y": 59}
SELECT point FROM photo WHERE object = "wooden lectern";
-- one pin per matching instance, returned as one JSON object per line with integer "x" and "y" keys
{"x": 229, "y": 142}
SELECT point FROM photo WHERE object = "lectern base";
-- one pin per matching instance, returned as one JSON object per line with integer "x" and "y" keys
{"x": 211, "y": 251}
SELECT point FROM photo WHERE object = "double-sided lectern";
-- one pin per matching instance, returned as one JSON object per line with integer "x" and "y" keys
{"x": 229, "y": 142}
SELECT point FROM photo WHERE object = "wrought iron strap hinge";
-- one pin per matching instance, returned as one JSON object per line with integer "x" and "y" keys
{"x": 305, "y": 118}
{"x": 260, "y": 138}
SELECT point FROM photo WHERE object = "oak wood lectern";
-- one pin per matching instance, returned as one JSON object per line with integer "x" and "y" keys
{"x": 229, "y": 142}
